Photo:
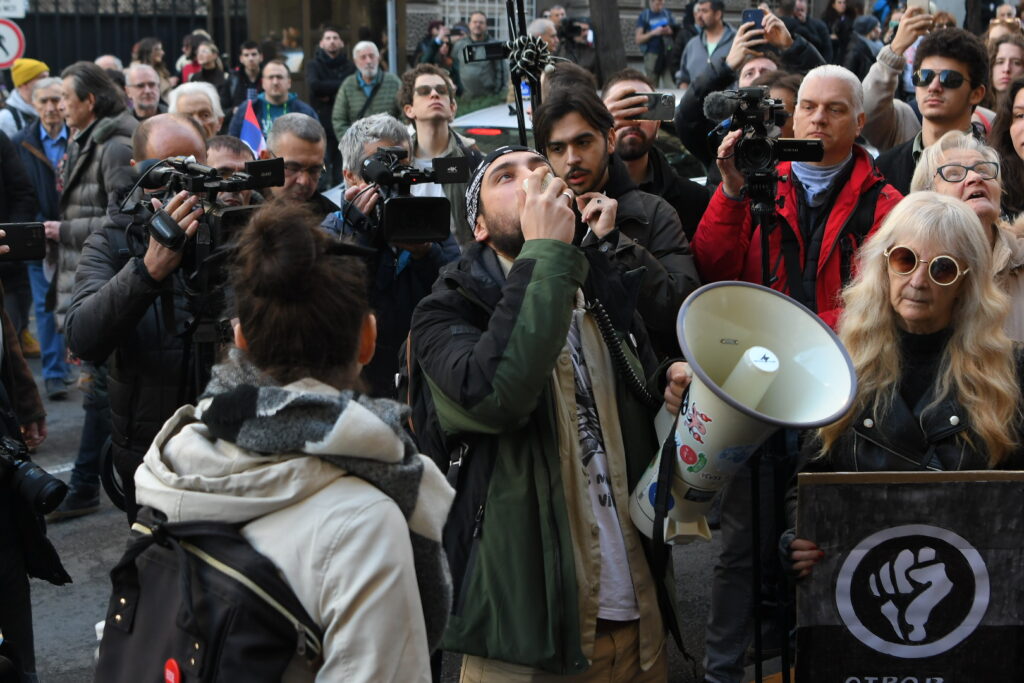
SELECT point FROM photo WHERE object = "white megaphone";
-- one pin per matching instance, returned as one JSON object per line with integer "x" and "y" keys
{"x": 760, "y": 362}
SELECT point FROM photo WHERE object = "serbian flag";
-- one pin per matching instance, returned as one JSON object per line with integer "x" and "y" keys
{"x": 251, "y": 133}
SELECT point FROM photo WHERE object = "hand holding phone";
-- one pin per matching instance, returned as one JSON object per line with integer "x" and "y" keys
{"x": 754, "y": 15}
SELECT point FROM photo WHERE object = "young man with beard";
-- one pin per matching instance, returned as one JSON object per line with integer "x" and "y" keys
{"x": 646, "y": 164}
{"x": 576, "y": 132}
{"x": 325, "y": 73}
{"x": 368, "y": 91}
{"x": 552, "y": 578}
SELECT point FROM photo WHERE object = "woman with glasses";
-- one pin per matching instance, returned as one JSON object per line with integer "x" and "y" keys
{"x": 938, "y": 383}
{"x": 963, "y": 167}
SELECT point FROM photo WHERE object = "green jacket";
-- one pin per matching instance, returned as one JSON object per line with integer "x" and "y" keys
{"x": 488, "y": 347}
{"x": 351, "y": 98}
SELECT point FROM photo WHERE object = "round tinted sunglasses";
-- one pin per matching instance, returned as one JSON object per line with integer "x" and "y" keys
{"x": 943, "y": 270}
{"x": 947, "y": 78}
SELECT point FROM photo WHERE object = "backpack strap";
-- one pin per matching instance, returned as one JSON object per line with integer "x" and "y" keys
{"x": 369, "y": 99}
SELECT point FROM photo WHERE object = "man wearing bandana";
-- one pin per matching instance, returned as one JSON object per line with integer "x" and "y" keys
{"x": 551, "y": 578}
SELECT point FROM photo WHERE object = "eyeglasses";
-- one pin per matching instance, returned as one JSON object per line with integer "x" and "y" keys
{"x": 149, "y": 84}
{"x": 425, "y": 90}
{"x": 954, "y": 173}
{"x": 314, "y": 172}
{"x": 943, "y": 270}
{"x": 947, "y": 78}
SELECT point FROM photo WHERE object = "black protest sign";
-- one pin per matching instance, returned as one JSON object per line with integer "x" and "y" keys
{"x": 921, "y": 581}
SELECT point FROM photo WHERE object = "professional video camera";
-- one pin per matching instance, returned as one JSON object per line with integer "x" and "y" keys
{"x": 32, "y": 483}
{"x": 183, "y": 173}
{"x": 204, "y": 256}
{"x": 401, "y": 216}
{"x": 760, "y": 117}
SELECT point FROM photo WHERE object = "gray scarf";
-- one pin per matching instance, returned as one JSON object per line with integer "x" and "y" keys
{"x": 250, "y": 410}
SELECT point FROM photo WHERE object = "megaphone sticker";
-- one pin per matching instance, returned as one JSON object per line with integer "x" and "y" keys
{"x": 695, "y": 460}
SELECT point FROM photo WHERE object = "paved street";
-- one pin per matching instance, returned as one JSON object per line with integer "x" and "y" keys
{"x": 90, "y": 546}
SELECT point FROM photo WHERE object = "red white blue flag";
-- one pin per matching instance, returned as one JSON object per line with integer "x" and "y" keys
{"x": 251, "y": 133}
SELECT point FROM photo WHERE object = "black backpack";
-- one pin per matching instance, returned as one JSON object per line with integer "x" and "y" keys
{"x": 194, "y": 601}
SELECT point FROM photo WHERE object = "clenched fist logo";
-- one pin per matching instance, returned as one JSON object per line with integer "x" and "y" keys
{"x": 912, "y": 591}
{"x": 912, "y": 587}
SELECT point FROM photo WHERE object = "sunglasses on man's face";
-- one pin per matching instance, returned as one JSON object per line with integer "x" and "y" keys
{"x": 947, "y": 78}
{"x": 943, "y": 270}
{"x": 425, "y": 90}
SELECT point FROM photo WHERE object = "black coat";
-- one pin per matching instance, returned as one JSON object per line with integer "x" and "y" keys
{"x": 897, "y": 165}
{"x": 688, "y": 198}
{"x": 120, "y": 315}
{"x": 648, "y": 234}
{"x": 41, "y": 173}
{"x": 813, "y": 31}
{"x": 324, "y": 75}
{"x": 859, "y": 57}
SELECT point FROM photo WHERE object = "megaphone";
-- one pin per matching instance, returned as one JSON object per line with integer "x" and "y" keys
{"x": 760, "y": 362}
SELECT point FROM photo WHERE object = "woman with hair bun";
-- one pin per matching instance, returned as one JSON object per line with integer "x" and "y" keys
{"x": 324, "y": 480}
{"x": 938, "y": 380}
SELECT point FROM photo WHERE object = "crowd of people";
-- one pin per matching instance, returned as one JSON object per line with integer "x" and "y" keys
{"x": 435, "y": 441}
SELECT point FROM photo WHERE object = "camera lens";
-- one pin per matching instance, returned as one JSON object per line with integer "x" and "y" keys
{"x": 755, "y": 154}
{"x": 41, "y": 490}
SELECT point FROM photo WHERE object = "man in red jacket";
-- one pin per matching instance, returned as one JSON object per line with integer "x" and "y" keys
{"x": 828, "y": 207}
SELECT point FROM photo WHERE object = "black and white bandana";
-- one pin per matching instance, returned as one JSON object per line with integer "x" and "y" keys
{"x": 473, "y": 189}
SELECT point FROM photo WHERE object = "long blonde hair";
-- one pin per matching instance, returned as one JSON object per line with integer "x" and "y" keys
{"x": 977, "y": 366}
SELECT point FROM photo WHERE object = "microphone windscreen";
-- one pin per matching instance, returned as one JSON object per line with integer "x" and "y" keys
{"x": 718, "y": 106}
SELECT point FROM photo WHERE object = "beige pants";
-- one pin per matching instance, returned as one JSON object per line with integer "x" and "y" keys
{"x": 616, "y": 660}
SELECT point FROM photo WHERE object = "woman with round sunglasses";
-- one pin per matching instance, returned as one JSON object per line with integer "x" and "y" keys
{"x": 961, "y": 166}
{"x": 938, "y": 381}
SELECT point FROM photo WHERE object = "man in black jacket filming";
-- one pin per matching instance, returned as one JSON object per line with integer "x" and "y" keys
{"x": 129, "y": 304}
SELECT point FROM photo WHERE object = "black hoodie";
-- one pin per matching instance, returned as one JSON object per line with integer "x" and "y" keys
{"x": 324, "y": 75}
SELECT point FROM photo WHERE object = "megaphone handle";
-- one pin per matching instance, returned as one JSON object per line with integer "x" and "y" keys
{"x": 666, "y": 466}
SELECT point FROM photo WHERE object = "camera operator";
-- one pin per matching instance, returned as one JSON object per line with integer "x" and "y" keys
{"x": 577, "y": 44}
{"x": 401, "y": 274}
{"x": 301, "y": 141}
{"x": 24, "y": 548}
{"x": 828, "y": 208}
{"x": 750, "y": 50}
{"x": 229, "y": 155}
{"x": 133, "y": 309}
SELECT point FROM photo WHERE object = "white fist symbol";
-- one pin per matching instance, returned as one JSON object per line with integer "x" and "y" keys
{"x": 914, "y": 586}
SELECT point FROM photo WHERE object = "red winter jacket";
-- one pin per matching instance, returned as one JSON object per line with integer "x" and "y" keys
{"x": 726, "y": 248}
